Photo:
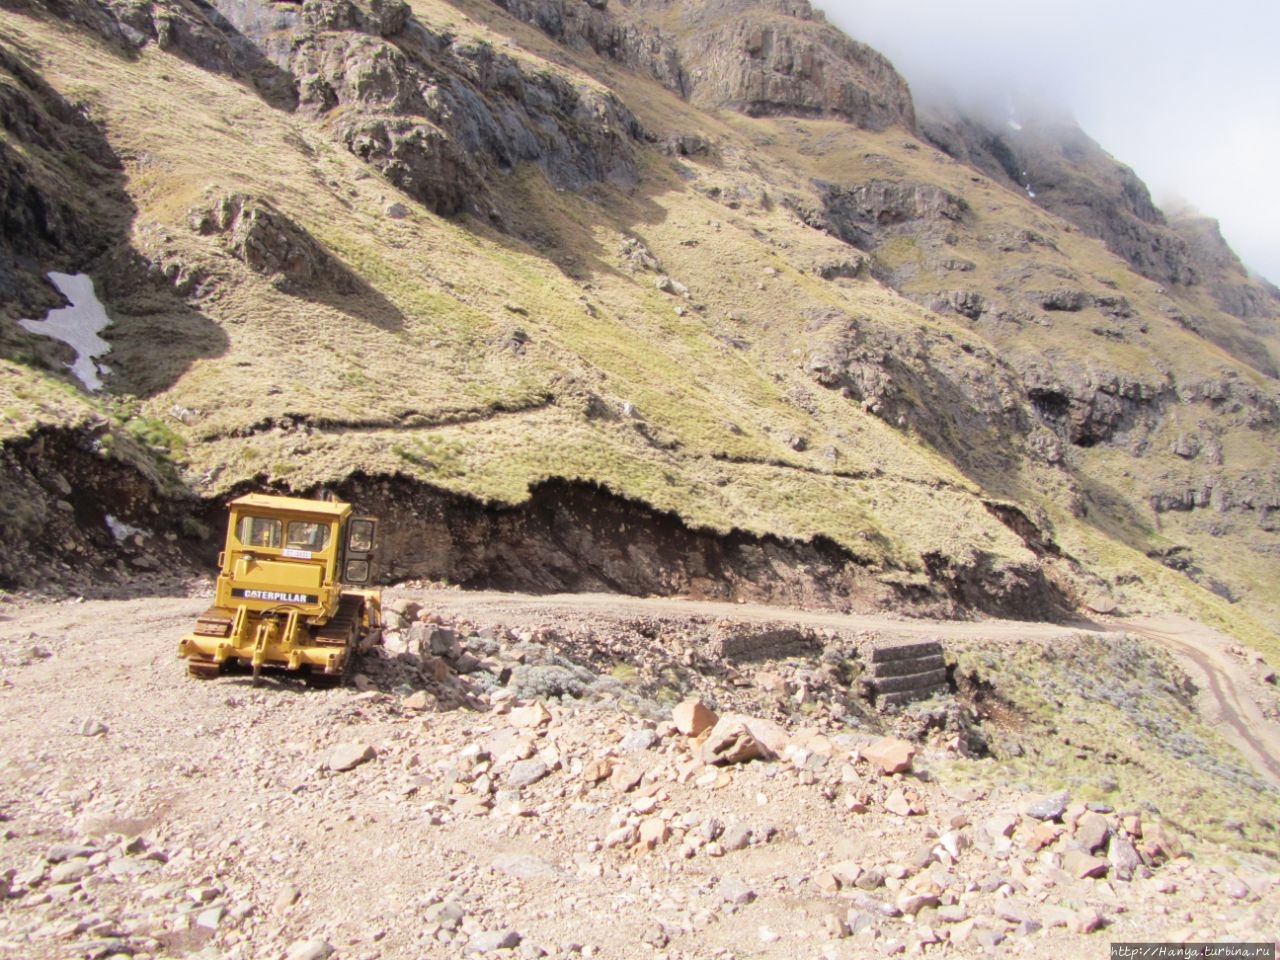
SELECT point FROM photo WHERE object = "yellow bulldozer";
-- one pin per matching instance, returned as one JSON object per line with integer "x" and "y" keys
{"x": 292, "y": 591}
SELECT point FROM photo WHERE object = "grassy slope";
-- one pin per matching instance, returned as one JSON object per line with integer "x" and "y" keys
{"x": 1114, "y": 720}
{"x": 416, "y": 375}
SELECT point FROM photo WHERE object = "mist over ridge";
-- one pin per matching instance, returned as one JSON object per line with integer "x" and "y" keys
{"x": 1187, "y": 101}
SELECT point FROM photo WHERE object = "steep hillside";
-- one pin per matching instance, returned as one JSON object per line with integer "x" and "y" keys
{"x": 659, "y": 298}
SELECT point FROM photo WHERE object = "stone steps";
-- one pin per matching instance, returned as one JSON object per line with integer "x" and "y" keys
{"x": 901, "y": 668}
{"x": 904, "y": 672}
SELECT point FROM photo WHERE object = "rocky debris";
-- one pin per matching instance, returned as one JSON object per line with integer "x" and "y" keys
{"x": 1049, "y": 807}
{"x": 493, "y": 940}
{"x": 496, "y": 816}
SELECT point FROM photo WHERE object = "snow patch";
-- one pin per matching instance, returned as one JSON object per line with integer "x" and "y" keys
{"x": 121, "y": 530}
{"x": 77, "y": 326}
{"x": 1014, "y": 124}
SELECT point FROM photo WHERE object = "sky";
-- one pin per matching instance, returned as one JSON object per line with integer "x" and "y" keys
{"x": 1185, "y": 93}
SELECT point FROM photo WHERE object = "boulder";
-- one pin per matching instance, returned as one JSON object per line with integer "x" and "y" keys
{"x": 737, "y": 739}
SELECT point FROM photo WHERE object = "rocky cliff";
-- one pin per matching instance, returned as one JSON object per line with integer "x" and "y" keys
{"x": 679, "y": 293}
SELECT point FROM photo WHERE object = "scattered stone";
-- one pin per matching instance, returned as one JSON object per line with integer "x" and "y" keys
{"x": 999, "y": 825}
{"x": 655, "y": 935}
{"x": 637, "y": 740}
{"x": 69, "y": 871}
{"x": 1044, "y": 807}
{"x": 533, "y": 716}
{"x": 1088, "y": 920}
{"x": 527, "y": 772}
{"x": 1159, "y": 845}
{"x": 286, "y": 897}
{"x": 1123, "y": 857}
{"x": 492, "y": 940}
{"x": 875, "y": 905}
{"x": 1046, "y": 833}
{"x": 846, "y": 873}
{"x": 625, "y": 778}
{"x": 1236, "y": 889}
{"x": 654, "y": 831}
{"x": 348, "y": 756}
{"x": 310, "y": 950}
{"x": 1092, "y": 831}
{"x": 736, "y": 836}
{"x": 890, "y": 755}
{"x": 624, "y": 836}
{"x": 93, "y": 728}
{"x": 870, "y": 879}
{"x": 905, "y": 803}
{"x": 734, "y": 890}
{"x": 912, "y": 903}
{"x": 1082, "y": 865}
{"x": 987, "y": 937}
{"x": 67, "y": 851}
{"x": 418, "y": 701}
{"x": 731, "y": 741}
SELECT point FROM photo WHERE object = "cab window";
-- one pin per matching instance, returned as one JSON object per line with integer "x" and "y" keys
{"x": 304, "y": 535}
{"x": 259, "y": 532}
{"x": 360, "y": 536}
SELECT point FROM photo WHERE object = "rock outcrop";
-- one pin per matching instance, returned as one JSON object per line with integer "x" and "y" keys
{"x": 762, "y": 59}
{"x": 268, "y": 242}
{"x": 439, "y": 119}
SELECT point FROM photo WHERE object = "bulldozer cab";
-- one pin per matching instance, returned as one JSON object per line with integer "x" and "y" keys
{"x": 292, "y": 552}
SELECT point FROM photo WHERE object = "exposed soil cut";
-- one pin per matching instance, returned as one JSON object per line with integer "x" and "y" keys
{"x": 61, "y": 486}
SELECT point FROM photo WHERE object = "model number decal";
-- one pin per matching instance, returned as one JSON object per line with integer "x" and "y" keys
{"x": 297, "y": 554}
{"x": 277, "y": 596}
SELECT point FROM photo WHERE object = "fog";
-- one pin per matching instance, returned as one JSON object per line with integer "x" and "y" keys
{"x": 1187, "y": 94}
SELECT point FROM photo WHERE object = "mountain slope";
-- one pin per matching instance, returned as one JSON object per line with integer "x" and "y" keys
{"x": 677, "y": 296}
